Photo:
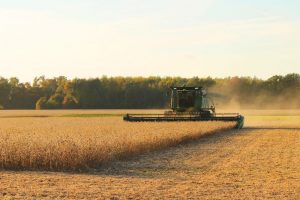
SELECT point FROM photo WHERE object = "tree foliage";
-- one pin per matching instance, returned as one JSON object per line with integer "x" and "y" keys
{"x": 151, "y": 92}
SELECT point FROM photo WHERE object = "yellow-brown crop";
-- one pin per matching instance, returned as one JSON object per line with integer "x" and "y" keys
{"x": 58, "y": 143}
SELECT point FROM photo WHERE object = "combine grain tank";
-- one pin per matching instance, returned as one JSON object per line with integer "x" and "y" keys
{"x": 188, "y": 104}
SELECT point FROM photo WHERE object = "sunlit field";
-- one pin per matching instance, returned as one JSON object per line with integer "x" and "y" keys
{"x": 94, "y": 154}
{"x": 84, "y": 143}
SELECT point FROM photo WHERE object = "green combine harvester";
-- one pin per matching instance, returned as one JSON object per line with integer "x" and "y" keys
{"x": 188, "y": 104}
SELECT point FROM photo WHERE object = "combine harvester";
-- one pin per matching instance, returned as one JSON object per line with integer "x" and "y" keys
{"x": 188, "y": 104}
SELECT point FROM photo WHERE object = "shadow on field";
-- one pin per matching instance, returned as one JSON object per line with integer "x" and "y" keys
{"x": 163, "y": 163}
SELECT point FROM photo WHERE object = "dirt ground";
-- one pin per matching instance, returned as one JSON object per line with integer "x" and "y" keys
{"x": 258, "y": 162}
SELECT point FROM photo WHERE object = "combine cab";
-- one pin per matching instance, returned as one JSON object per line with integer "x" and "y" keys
{"x": 189, "y": 104}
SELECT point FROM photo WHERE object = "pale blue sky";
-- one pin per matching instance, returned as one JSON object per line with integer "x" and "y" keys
{"x": 91, "y": 38}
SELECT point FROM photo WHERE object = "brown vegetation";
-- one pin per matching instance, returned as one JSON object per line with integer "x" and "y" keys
{"x": 85, "y": 143}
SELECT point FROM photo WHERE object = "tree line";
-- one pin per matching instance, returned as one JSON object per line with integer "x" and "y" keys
{"x": 151, "y": 92}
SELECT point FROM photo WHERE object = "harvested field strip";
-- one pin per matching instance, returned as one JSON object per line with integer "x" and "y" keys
{"x": 25, "y": 116}
{"x": 73, "y": 144}
{"x": 275, "y": 118}
{"x": 66, "y": 115}
{"x": 94, "y": 115}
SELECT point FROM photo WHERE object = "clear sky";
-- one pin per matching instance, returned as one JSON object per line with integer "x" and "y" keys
{"x": 91, "y": 38}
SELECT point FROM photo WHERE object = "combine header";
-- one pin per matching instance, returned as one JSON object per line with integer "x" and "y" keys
{"x": 188, "y": 104}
